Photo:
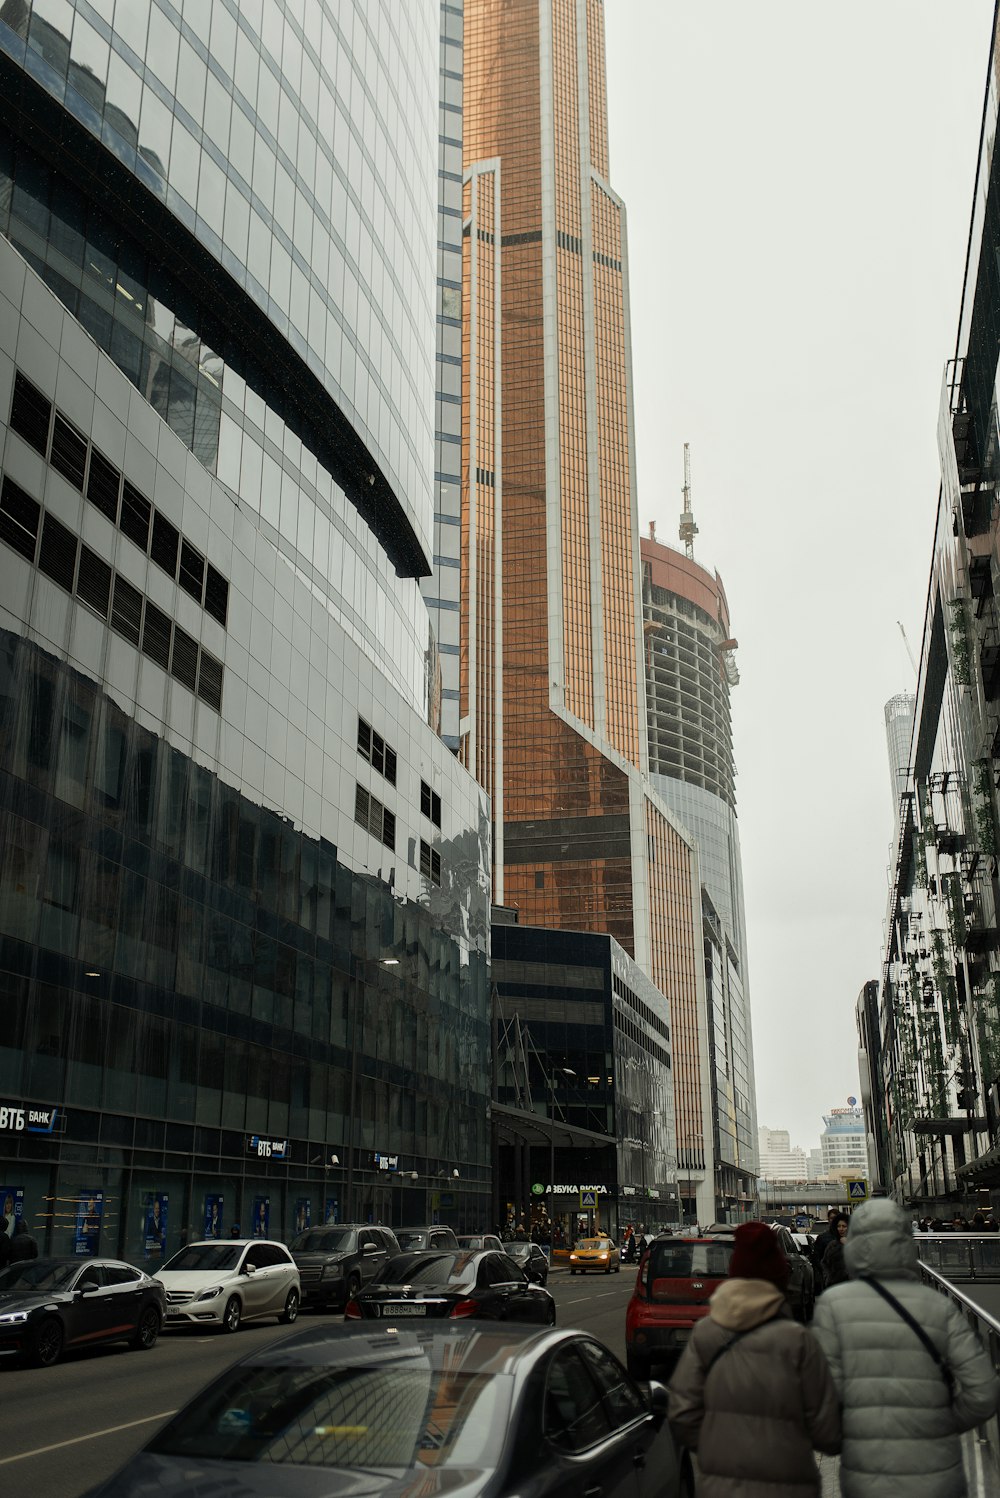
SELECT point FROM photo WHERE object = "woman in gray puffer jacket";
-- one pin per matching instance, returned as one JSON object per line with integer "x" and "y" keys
{"x": 901, "y": 1424}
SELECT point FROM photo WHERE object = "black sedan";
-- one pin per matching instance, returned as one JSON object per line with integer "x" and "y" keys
{"x": 531, "y": 1259}
{"x": 470, "y": 1409}
{"x": 48, "y": 1305}
{"x": 487, "y": 1285}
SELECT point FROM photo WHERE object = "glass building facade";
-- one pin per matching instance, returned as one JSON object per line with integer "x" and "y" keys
{"x": 244, "y": 885}
{"x": 584, "y": 1047}
{"x": 690, "y": 671}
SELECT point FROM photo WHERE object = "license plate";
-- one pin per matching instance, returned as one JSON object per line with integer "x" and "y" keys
{"x": 406, "y": 1308}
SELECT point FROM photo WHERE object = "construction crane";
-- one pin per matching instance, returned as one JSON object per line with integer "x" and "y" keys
{"x": 688, "y": 530}
{"x": 908, "y": 650}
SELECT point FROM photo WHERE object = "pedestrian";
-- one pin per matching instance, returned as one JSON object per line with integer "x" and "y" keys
{"x": 234, "y": 1231}
{"x": 821, "y": 1243}
{"x": 22, "y": 1244}
{"x": 4, "y": 1244}
{"x": 833, "y": 1270}
{"x": 752, "y": 1393}
{"x": 910, "y": 1373}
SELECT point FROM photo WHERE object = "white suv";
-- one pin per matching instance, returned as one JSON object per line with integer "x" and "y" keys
{"x": 223, "y": 1284}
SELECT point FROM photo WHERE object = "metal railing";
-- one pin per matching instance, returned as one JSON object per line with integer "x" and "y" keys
{"x": 986, "y": 1329}
{"x": 961, "y": 1256}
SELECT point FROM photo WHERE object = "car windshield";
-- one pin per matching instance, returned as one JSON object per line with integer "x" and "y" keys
{"x": 205, "y": 1258}
{"x": 678, "y": 1260}
{"x": 519, "y": 1250}
{"x": 443, "y": 1270}
{"x": 383, "y": 1415}
{"x": 593, "y": 1243}
{"x": 322, "y": 1241}
{"x": 39, "y": 1274}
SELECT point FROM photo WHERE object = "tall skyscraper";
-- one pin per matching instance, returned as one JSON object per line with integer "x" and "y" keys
{"x": 899, "y": 712}
{"x": 244, "y": 886}
{"x": 552, "y": 705}
{"x": 690, "y": 670}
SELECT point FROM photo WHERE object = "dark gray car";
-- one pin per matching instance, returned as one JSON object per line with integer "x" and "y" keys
{"x": 334, "y": 1262}
{"x": 417, "y": 1240}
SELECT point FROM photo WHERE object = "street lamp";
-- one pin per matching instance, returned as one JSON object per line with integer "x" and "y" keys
{"x": 566, "y": 1071}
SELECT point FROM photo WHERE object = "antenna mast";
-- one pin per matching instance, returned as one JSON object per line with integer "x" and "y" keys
{"x": 688, "y": 530}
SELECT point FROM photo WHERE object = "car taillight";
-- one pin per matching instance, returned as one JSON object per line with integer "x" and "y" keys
{"x": 465, "y": 1308}
{"x": 352, "y": 1311}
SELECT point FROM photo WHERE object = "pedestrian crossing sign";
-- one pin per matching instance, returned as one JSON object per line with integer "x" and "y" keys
{"x": 857, "y": 1191}
{"x": 588, "y": 1198}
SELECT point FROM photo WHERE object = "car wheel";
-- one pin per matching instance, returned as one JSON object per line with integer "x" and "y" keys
{"x": 572, "y": 1271}
{"x": 551, "y": 1317}
{"x": 607, "y": 1269}
{"x": 232, "y": 1315}
{"x": 353, "y": 1286}
{"x": 48, "y": 1344}
{"x": 291, "y": 1311}
{"x": 637, "y": 1365}
{"x": 147, "y": 1330}
{"x": 687, "y": 1477}
{"x": 618, "y": 1269}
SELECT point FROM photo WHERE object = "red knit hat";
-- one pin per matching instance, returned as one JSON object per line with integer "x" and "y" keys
{"x": 758, "y": 1255}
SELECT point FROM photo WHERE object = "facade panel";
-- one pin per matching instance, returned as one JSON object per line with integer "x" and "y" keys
{"x": 244, "y": 886}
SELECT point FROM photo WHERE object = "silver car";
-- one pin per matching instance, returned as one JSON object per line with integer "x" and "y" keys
{"x": 225, "y": 1284}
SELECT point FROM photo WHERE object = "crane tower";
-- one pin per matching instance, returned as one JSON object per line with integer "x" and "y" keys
{"x": 687, "y": 530}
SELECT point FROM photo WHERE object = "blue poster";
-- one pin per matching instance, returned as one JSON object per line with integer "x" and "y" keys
{"x": 332, "y": 1213}
{"x": 87, "y": 1234}
{"x": 12, "y": 1205}
{"x": 261, "y": 1217}
{"x": 303, "y": 1214}
{"x": 213, "y": 1216}
{"x": 154, "y": 1235}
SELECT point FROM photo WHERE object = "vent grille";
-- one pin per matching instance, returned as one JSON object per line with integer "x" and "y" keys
{"x": 156, "y": 635}
{"x": 19, "y": 518}
{"x": 210, "y": 681}
{"x": 57, "y": 553}
{"x": 93, "y": 582}
{"x": 30, "y": 414}
{"x": 126, "y": 611}
{"x": 104, "y": 484}
{"x": 69, "y": 452}
{"x": 184, "y": 659}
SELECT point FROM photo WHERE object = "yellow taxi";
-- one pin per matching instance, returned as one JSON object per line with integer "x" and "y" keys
{"x": 595, "y": 1253}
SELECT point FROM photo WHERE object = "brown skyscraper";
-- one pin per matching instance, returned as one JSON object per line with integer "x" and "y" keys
{"x": 552, "y": 689}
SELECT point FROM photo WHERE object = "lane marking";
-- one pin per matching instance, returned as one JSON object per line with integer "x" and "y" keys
{"x": 93, "y": 1436}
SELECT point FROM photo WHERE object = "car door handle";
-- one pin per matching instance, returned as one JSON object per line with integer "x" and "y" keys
{"x": 639, "y": 1460}
{"x": 594, "y": 1492}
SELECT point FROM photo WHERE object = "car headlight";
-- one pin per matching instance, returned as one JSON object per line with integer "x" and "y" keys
{"x": 211, "y": 1294}
{"x": 332, "y": 1271}
{"x": 13, "y": 1318}
{"x": 602, "y": 1255}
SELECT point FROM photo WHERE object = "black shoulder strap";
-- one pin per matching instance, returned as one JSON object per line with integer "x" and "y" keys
{"x": 915, "y": 1327}
{"x": 717, "y": 1354}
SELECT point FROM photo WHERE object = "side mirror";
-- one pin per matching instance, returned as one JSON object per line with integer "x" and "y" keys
{"x": 658, "y": 1401}
{"x": 370, "y": 1248}
{"x": 249, "y": 1269}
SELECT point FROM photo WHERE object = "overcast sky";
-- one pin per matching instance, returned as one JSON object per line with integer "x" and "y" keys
{"x": 798, "y": 178}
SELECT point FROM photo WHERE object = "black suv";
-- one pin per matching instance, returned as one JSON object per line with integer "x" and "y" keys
{"x": 334, "y": 1262}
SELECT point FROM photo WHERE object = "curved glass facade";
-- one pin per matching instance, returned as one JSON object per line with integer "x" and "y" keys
{"x": 244, "y": 886}
{"x": 297, "y": 144}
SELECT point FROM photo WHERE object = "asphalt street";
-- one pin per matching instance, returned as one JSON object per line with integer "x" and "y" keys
{"x": 64, "y": 1429}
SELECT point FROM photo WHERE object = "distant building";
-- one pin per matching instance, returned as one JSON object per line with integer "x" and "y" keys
{"x": 844, "y": 1144}
{"x": 899, "y": 712}
{"x": 779, "y": 1159}
{"x": 815, "y": 1165}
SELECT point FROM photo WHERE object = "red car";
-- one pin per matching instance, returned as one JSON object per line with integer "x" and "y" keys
{"x": 672, "y": 1289}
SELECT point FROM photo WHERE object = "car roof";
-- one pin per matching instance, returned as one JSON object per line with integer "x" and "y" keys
{"x": 494, "y": 1347}
{"x": 231, "y": 1243}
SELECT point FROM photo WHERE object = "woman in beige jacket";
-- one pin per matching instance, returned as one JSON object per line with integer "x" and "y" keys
{"x": 752, "y": 1393}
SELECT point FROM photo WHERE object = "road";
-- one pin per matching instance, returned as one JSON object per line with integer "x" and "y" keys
{"x": 64, "y": 1429}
